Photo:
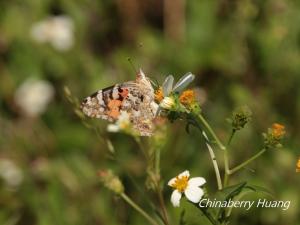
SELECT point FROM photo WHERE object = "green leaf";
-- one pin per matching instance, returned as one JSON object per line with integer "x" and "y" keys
{"x": 238, "y": 190}
{"x": 260, "y": 189}
{"x": 181, "y": 219}
{"x": 230, "y": 191}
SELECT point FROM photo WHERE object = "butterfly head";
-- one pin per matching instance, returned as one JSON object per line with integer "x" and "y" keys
{"x": 140, "y": 75}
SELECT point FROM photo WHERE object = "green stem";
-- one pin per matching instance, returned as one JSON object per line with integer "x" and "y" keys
{"x": 242, "y": 165}
{"x": 209, "y": 216}
{"x": 220, "y": 145}
{"x": 215, "y": 164}
{"x": 227, "y": 170}
{"x": 226, "y": 160}
{"x": 158, "y": 187}
{"x": 211, "y": 132}
{"x": 228, "y": 213}
{"x": 206, "y": 214}
{"x": 157, "y": 162}
{"x": 138, "y": 209}
{"x": 163, "y": 206}
{"x": 141, "y": 146}
{"x": 231, "y": 136}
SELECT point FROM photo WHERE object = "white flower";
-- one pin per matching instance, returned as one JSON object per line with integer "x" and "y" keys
{"x": 57, "y": 30}
{"x": 33, "y": 96}
{"x": 184, "y": 81}
{"x": 190, "y": 187}
{"x": 167, "y": 103}
{"x": 122, "y": 124}
{"x": 10, "y": 173}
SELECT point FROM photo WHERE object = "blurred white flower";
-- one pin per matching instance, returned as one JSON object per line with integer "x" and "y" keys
{"x": 122, "y": 124}
{"x": 10, "y": 173}
{"x": 190, "y": 187}
{"x": 56, "y": 30}
{"x": 33, "y": 96}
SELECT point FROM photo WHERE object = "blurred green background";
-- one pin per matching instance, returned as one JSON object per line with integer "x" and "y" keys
{"x": 242, "y": 52}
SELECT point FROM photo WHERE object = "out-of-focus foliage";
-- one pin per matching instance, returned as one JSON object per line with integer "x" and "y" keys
{"x": 242, "y": 52}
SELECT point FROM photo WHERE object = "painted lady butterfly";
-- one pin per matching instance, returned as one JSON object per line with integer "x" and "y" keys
{"x": 133, "y": 97}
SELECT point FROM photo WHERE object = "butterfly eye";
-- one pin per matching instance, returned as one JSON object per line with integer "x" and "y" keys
{"x": 183, "y": 82}
{"x": 167, "y": 85}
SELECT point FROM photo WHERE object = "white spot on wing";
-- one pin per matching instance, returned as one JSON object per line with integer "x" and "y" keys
{"x": 99, "y": 97}
{"x": 115, "y": 93}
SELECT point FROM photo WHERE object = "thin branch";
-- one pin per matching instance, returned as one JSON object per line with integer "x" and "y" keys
{"x": 139, "y": 209}
{"x": 214, "y": 161}
{"x": 242, "y": 165}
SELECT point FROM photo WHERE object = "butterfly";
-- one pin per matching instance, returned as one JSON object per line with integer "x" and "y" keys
{"x": 136, "y": 98}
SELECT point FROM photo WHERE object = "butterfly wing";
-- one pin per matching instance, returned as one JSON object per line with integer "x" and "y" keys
{"x": 134, "y": 97}
{"x": 141, "y": 107}
{"x": 106, "y": 103}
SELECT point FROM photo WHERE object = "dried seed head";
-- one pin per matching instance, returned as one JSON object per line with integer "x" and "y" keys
{"x": 111, "y": 181}
{"x": 240, "y": 117}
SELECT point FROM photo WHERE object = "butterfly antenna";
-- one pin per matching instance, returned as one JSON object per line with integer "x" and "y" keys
{"x": 154, "y": 83}
{"x": 134, "y": 68}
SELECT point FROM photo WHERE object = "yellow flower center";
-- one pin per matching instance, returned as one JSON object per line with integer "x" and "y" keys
{"x": 298, "y": 166}
{"x": 159, "y": 95}
{"x": 187, "y": 97}
{"x": 181, "y": 183}
{"x": 278, "y": 130}
{"x": 124, "y": 125}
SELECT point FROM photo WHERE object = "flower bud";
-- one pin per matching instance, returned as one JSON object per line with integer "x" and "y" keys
{"x": 111, "y": 181}
{"x": 278, "y": 130}
{"x": 274, "y": 135}
{"x": 240, "y": 117}
{"x": 167, "y": 103}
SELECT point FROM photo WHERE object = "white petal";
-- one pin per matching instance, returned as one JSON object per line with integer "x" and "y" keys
{"x": 167, "y": 103}
{"x": 196, "y": 181}
{"x": 168, "y": 85}
{"x": 113, "y": 128}
{"x": 175, "y": 198}
{"x": 183, "y": 82}
{"x": 172, "y": 181}
{"x": 193, "y": 193}
{"x": 184, "y": 174}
